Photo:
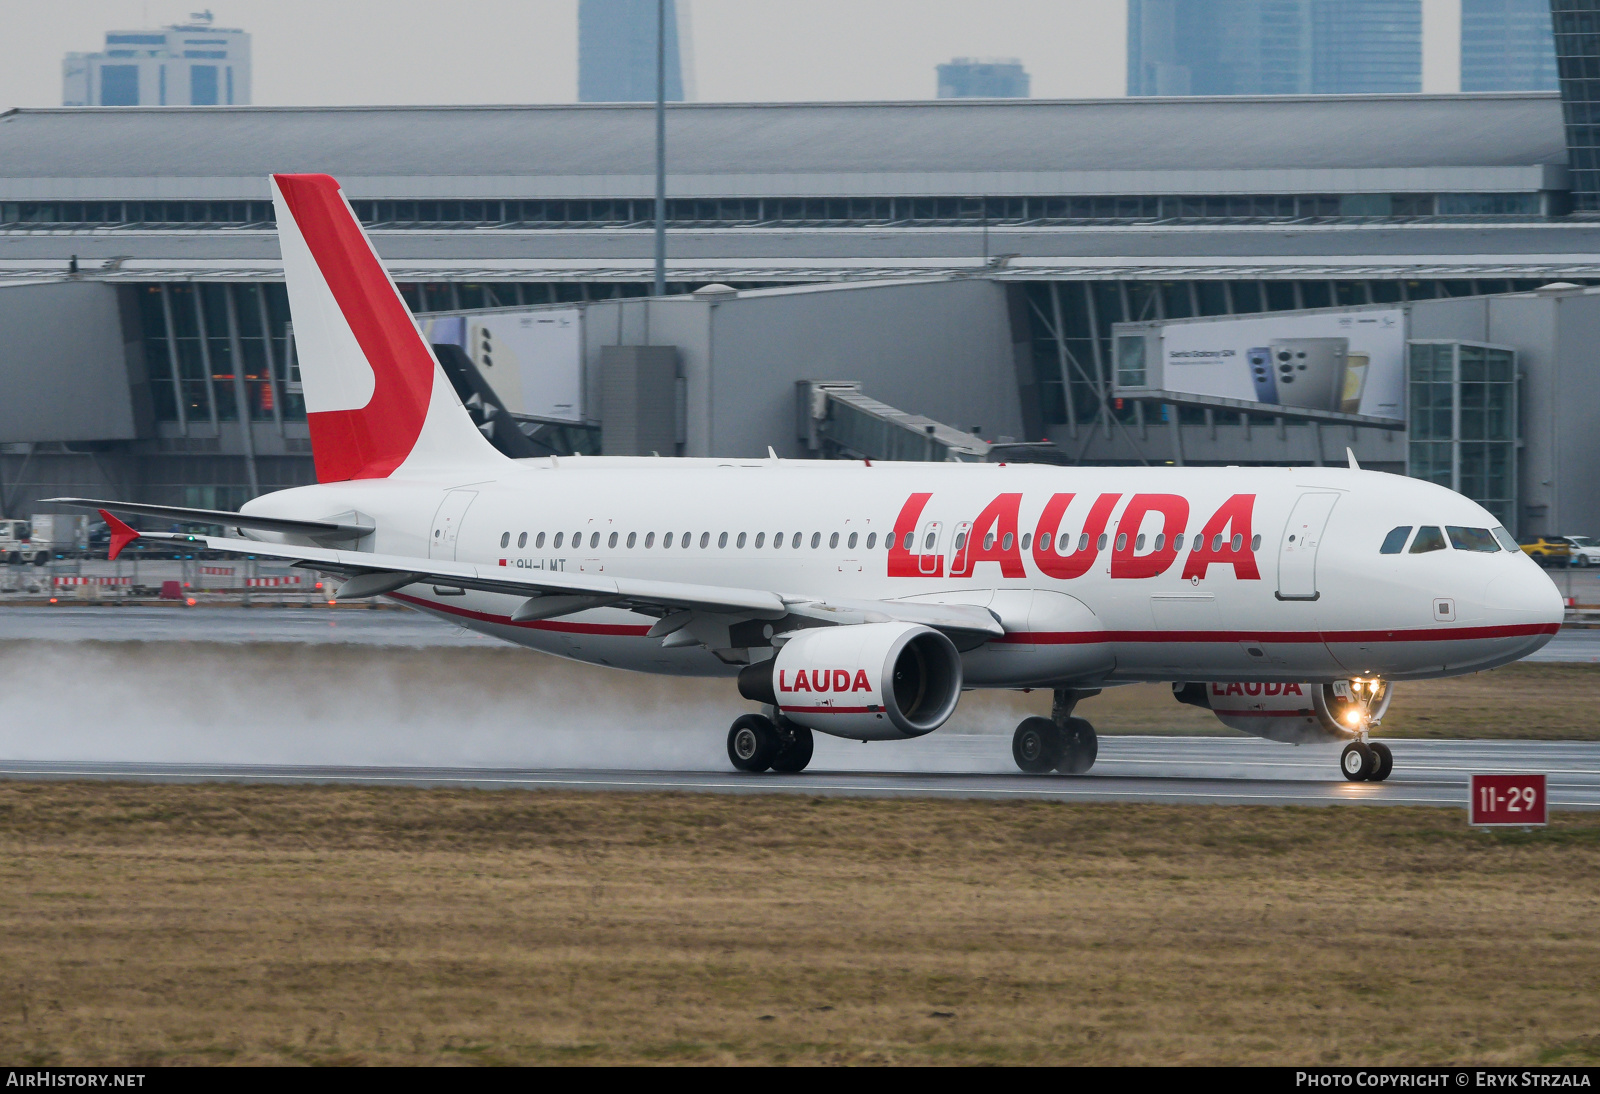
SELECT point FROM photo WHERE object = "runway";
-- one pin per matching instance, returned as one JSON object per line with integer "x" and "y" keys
{"x": 1133, "y": 769}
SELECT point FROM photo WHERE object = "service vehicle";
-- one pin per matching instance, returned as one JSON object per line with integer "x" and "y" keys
{"x": 1585, "y": 551}
{"x": 17, "y": 545}
{"x": 1547, "y": 550}
{"x": 859, "y": 598}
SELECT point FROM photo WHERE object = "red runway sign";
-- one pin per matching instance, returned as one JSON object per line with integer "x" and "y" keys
{"x": 1507, "y": 799}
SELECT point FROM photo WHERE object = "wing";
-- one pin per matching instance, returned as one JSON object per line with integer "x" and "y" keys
{"x": 552, "y": 593}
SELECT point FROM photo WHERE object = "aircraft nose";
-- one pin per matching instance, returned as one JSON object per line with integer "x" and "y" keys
{"x": 1529, "y": 603}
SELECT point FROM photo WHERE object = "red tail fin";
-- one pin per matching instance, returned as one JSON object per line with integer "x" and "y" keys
{"x": 372, "y": 386}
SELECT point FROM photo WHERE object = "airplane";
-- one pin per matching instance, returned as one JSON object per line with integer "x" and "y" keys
{"x": 861, "y": 598}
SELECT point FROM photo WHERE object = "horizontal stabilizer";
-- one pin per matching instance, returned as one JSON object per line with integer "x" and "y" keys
{"x": 315, "y": 528}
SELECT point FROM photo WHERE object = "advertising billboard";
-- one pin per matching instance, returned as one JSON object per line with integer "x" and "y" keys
{"x": 532, "y": 359}
{"x": 1350, "y": 362}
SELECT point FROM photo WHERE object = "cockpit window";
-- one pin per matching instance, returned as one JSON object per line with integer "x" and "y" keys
{"x": 1395, "y": 541}
{"x": 1507, "y": 540}
{"x": 1472, "y": 539}
{"x": 1428, "y": 539}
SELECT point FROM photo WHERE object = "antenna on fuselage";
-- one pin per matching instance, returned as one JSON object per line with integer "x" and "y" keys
{"x": 1351, "y": 454}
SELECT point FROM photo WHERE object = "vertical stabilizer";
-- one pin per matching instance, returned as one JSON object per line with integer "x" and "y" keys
{"x": 376, "y": 399}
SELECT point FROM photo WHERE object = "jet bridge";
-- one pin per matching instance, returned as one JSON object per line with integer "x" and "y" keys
{"x": 838, "y": 421}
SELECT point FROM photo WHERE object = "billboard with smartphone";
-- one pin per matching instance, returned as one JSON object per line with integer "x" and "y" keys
{"x": 532, "y": 359}
{"x": 1349, "y": 362}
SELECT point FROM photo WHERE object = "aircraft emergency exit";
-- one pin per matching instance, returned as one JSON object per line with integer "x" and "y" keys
{"x": 859, "y": 599}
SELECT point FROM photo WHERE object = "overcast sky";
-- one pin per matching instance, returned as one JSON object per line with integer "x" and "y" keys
{"x": 328, "y": 52}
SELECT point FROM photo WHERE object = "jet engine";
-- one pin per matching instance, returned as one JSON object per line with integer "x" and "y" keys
{"x": 1293, "y": 713}
{"x": 869, "y": 682}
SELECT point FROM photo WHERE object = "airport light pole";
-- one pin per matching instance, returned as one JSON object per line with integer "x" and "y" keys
{"x": 661, "y": 148}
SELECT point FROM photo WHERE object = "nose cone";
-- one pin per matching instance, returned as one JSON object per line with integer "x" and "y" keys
{"x": 1525, "y": 607}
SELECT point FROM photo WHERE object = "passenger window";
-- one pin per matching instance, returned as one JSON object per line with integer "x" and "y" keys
{"x": 1083, "y": 542}
{"x": 1506, "y": 540}
{"x": 1122, "y": 540}
{"x": 611, "y": 542}
{"x": 1138, "y": 542}
{"x": 1472, "y": 539}
{"x": 833, "y": 541}
{"x": 1177, "y": 542}
{"x": 577, "y": 540}
{"x": 722, "y": 540}
{"x": 872, "y": 540}
{"x": 505, "y": 539}
{"x": 650, "y": 540}
{"x": 1044, "y": 541}
{"x": 1101, "y": 544}
{"x": 1395, "y": 541}
{"x": 1161, "y": 540}
{"x": 1255, "y": 541}
{"x": 795, "y": 542}
{"x": 559, "y": 536}
{"x": 1237, "y": 543}
{"x": 816, "y": 540}
{"x": 666, "y": 540}
{"x": 540, "y": 541}
{"x": 988, "y": 541}
{"x": 688, "y": 537}
{"x": 1005, "y": 544}
{"x": 852, "y": 543}
{"x": 1027, "y": 538}
{"x": 633, "y": 537}
{"x": 522, "y": 540}
{"x": 740, "y": 541}
{"x": 1428, "y": 539}
{"x": 594, "y": 539}
{"x": 761, "y": 539}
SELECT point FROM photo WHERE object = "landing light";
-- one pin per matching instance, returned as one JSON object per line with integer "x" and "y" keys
{"x": 1354, "y": 718}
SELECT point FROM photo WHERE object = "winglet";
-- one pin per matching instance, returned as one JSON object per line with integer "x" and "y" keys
{"x": 121, "y": 534}
{"x": 1350, "y": 453}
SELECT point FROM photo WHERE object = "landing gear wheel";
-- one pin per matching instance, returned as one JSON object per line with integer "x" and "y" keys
{"x": 1036, "y": 745}
{"x": 1081, "y": 747}
{"x": 1357, "y": 762}
{"x": 1383, "y": 762}
{"x": 794, "y": 748}
{"x": 753, "y": 743}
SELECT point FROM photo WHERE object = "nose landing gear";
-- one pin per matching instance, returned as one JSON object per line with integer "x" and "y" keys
{"x": 1058, "y": 743}
{"x": 1356, "y": 706}
{"x": 1366, "y": 761}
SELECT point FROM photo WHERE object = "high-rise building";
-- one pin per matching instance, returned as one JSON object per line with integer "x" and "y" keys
{"x": 1506, "y": 45}
{"x": 193, "y": 64}
{"x": 994, "y": 78}
{"x": 617, "y": 51}
{"x": 1274, "y": 47}
{"x": 1577, "y": 41}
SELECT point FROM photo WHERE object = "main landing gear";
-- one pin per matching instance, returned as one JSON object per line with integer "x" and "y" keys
{"x": 1366, "y": 761}
{"x": 1057, "y": 743}
{"x": 757, "y": 743}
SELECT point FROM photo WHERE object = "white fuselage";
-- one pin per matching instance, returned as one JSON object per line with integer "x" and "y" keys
{"x": 1133, "y": 609}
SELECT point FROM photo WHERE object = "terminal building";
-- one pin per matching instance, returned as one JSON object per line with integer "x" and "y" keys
{"x": 145, "y": 345}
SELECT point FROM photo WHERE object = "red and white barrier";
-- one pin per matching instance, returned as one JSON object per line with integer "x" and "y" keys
{"x": 218, "y": 571}
{"x": 65, "y": 580}
{"x": 270, "y": 582}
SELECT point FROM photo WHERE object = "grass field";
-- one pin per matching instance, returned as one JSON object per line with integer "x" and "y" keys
{"x": 167, "y": 924}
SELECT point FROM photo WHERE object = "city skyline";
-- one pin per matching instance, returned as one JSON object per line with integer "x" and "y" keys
{"x": 742, "y": 52}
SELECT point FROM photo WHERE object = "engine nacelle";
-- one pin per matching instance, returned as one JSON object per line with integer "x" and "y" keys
{"x": 1292, "y": 713}
{"x": 869, "y": 682}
